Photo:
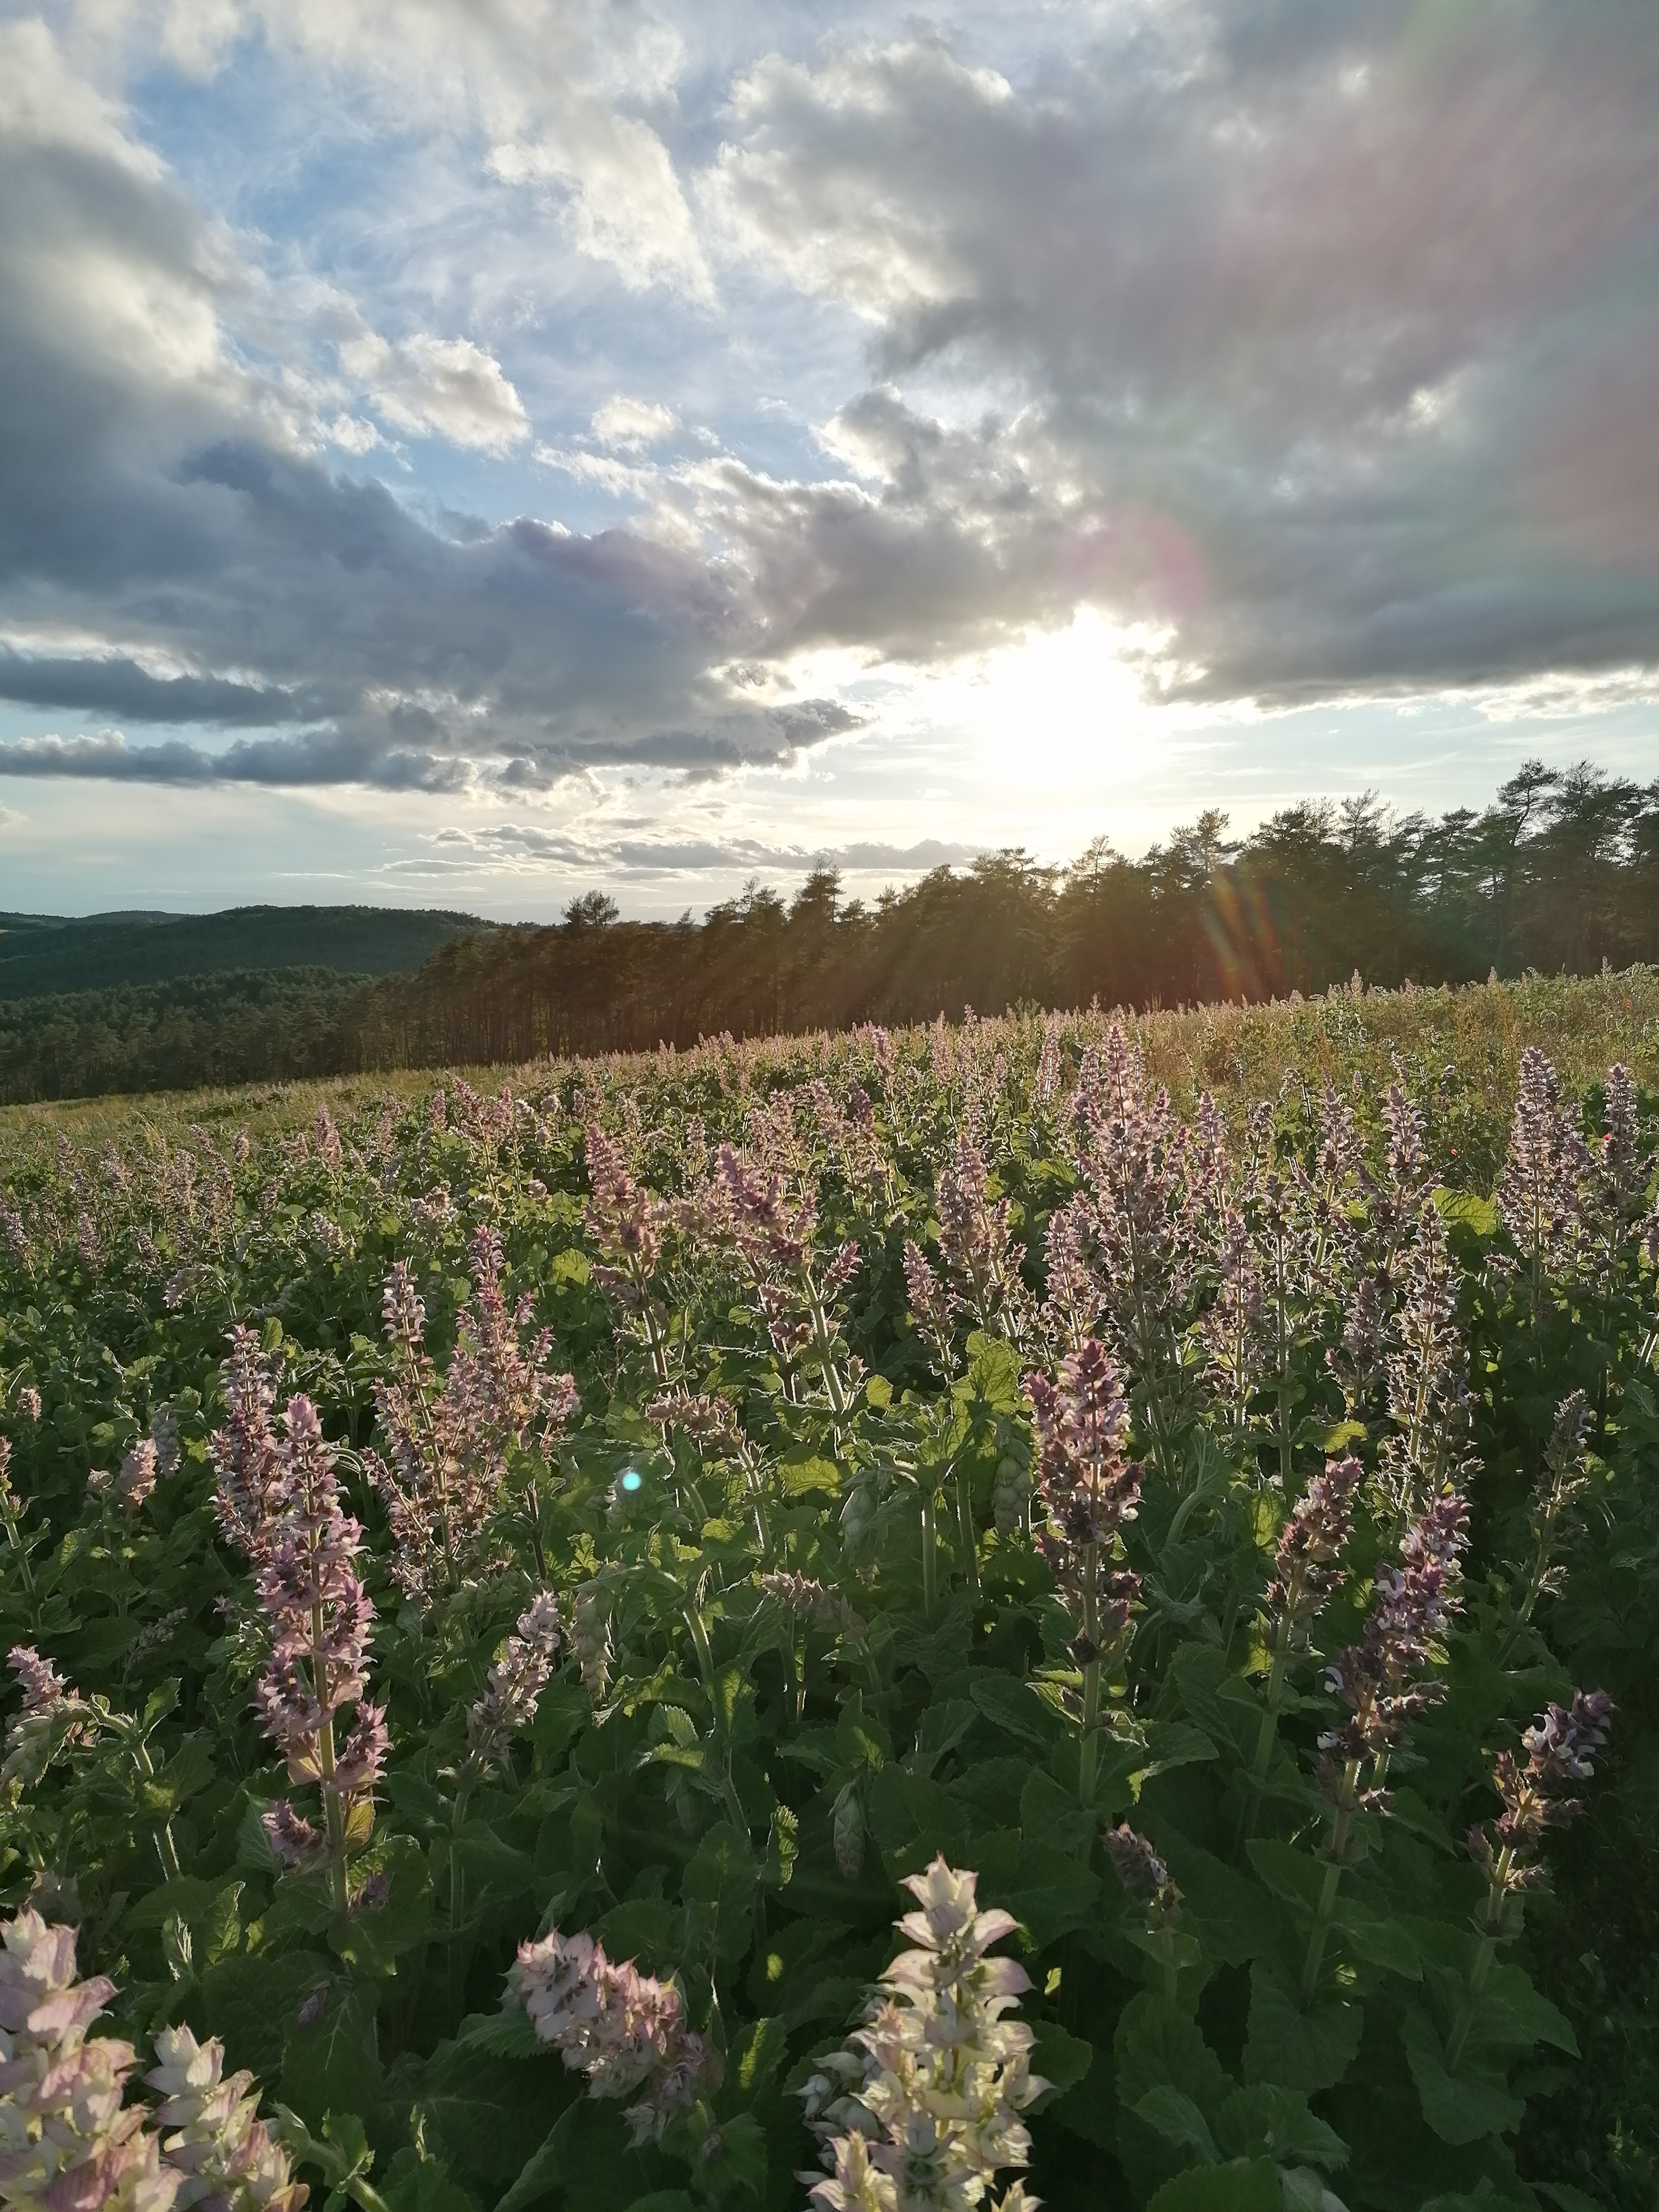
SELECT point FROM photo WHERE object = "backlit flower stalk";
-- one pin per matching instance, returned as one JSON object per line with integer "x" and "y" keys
{"x": 1558, "y": 1747}
{"x": 1143, "y": 1247}
{"x": 247, "y": 1452}
{"x": 319, "y": 1615}
{"x": 1616, "y": 1187}
{"x": 1307, "y": 1572}
{"x": 1380, "y": 1680}
{"x": 1234, "y": 1328}
{"x": 1427, "y": 1372}
{"x": 1538, "y": 1192}
{"x": 449, "y": 1442}
{"x": 772, "y": 1240}
{"x": 627, "y": 1225}
{"x": 978, "y": 1254}
{"x": 1563, "y": 1479}
{"x": 515, "y": 1684}
{"x": 1086, "y": 1492}
{"x": 921, "y": 2108}
{"x": 1147, "y": 1879}
{"x": 625, "y": 2031}
{"x": 211, "y": 2132}
{"x": 18, "y": 1542}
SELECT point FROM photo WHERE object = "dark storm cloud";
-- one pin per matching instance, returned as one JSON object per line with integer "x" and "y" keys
{"x": 120, "y": 687}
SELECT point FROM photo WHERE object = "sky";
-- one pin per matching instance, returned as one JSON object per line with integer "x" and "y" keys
{"x": 471, "y": 452}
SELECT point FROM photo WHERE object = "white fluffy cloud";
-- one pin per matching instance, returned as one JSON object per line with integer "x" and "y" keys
{"x": 444, "y": 387}
{"x": 633, "y": 424}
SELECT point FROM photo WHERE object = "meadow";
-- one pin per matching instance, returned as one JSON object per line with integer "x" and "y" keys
{"x": 516, "y": 1582}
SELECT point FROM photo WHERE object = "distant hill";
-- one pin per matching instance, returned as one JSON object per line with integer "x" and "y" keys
{"x": 44, "y": 955}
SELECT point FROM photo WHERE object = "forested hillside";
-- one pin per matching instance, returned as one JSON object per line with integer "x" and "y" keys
{"x": 1560, "y": 874}
{"x": 43, "y": 955}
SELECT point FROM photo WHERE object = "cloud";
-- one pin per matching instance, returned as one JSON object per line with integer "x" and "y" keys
{"x": 1311, "y": 344}
{"x": 164, "y": 502}
{"x": 119, "y": 686}
{"x": 521, "y": 848}
{"x": 1320, "y": 346}
{"x": 537, "y": 91}
{"x": 631, "y": 423}
{"x": 444, "y": 387}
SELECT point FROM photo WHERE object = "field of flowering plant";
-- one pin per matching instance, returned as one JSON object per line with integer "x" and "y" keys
{"x": 513, "y": 1592}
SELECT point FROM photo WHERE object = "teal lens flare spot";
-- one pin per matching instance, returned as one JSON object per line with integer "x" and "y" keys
{"x": 633, "y": 1480}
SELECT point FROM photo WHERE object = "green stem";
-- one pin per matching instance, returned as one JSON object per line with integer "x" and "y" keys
{"x": 1483, "y": 1958}
{"x": 929, "y": 1557}
{"x": 1172, "y": 1968}
{"x": 1321, "y": 1927}
{"x": 1466, "y": 2011}
{"x": 166, "y": 1848}
{"x": 965, "y": 1528}
{"x": 1088, "y": 1750}
{"x": 458, "y": 1947}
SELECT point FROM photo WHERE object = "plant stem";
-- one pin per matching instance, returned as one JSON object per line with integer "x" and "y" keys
{"x": 1321, "y": 1926}
{"x": 458, "y": 1948}
{"x": 1088, "y": 1750}
{"x": 965, "y": 1528}
{"x": 1466, "y": 2010}
{"x": 929, "y": 1557}
{"x": 1482, "y": 1957}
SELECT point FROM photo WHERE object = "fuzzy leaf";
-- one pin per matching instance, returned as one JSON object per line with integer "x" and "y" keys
{"x": 1304, "y": 2049}
{"x": 1245, "y": 2185}
{"x": 1463, "y": 2107}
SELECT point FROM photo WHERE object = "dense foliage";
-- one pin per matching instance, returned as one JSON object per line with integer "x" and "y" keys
{"x": 246, "y": 1025}
{"x": 52, "y": 956}
{"x": 1560, "y": 875}
{"x": 504, "y": 1585}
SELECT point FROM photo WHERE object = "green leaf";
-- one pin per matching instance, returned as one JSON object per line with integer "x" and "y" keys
{"x": 332, "y": 2067}
{"x": 1379, "y": 1940}
{"x": 1062, "y": 2058}
{"x": 544, "y": 2170}
{"x": 914, "y": 1819}
{"x": 415, "y": 2183}
{"x": 1178, "y": 2120}
{"x": 1157, "y": 2043}
{"x": 1013, "y": 1706}
{"x": 488, "y": 2114}
{"x": 1234, "y": 1921}
{"x": 507, "y": 2034}
{"x": 640, "y": 1927}
{"x": 757, "y": 2055}
{"x": 1463, "y": 2107}
{"x": 372, "y": 1937}
{"x": 1290, "y": 1875}
{"x": 1172, "y": 1744}
{"x": 1268, "y": 2119}
{"x": 249, "y": 2001}
{"x": 1304, "y": 2049}
{"x": 1247, "y": 2185}
{"x": 1512, "y": 2015}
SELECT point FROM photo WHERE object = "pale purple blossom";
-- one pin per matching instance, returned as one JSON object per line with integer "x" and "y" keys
{"x": 1086, "y": 1491}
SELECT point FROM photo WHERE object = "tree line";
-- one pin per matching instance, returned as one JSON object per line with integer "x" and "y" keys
{"x": 1560, "y": 873}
